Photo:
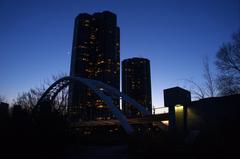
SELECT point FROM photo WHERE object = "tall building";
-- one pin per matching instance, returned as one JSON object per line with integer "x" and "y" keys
{"x": 95, "y": 55}
{"x": 136, "y": 83}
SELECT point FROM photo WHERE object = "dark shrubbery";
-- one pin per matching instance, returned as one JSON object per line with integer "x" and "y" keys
{"x": 40, "y": 133}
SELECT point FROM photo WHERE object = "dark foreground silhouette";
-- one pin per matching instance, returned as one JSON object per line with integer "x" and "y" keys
{"x": 46, "y": 134}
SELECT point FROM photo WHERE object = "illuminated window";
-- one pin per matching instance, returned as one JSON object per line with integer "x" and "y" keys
{"x": 165, "y": 122}
{"x": 178, "y": 108}
{"x": 100, "y": 106}
{"x": 93, "y": 37}
{"x": 100, "y": 62}
{"x": 84, "y": 59}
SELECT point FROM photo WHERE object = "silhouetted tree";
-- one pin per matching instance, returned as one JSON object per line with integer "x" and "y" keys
{"x": 228, "y": 64}
{"x": 2, "y": 98}
{"x": 29, "y": 99}
{"x": 208, "y": 88}
{"x": 210, "y": 79}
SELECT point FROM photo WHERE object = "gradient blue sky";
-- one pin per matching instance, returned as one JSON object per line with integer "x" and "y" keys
{"x": 36, "y": 38}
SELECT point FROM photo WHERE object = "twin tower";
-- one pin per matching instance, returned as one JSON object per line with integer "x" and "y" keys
{"x": 96, "y": 55}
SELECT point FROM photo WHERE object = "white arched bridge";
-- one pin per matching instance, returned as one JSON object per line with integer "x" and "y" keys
{"x": 102, "y": 90}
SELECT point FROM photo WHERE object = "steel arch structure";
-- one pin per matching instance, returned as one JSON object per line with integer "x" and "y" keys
{"x": 102, "y": 90}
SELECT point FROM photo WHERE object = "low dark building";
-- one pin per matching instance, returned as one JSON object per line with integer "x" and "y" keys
{"x": 177, "y": 99}
{"x": 215, "y": 113}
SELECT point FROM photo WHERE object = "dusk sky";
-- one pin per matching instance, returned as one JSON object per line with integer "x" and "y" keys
{"x": 175, "y": 35}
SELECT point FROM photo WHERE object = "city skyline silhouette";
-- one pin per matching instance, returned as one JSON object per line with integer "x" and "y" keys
{"x": 82, "y": 79}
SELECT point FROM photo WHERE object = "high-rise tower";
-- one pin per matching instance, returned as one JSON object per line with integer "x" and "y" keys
{"x": 95, "y": 55}
{"x": 136, "y": 83}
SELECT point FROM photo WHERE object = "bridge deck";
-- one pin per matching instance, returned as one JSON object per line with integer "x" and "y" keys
{"x": 153, "y": 119}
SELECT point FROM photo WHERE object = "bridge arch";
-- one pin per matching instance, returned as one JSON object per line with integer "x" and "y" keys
{"x": 102, "y": 90}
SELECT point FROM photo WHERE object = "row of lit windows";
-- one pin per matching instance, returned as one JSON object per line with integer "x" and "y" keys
{"x": 100, "y": 62}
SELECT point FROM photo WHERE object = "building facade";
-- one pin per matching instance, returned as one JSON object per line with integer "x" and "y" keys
{"x": 95, "y": 55}
{"x": 136, "y": 83}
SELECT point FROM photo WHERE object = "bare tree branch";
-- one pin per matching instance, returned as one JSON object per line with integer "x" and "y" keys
{"x": 209, "y": 79}
{"x": 29, "y": 99}
{"x": 197, "y": 90}
{"x": 228, "y": 64}
{"x": 2, "y": 98}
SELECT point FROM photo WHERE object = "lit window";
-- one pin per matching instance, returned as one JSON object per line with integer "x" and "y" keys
{"x": 92, "y": 37}
{"x": 100, "y": 106}
{"x": 178, "y": 108}
{"x": 165, "y": 122}
{"x": 99, "y": 62}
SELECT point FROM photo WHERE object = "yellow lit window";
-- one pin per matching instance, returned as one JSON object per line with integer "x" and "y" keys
{"x": 100, "y": 106}
{"x": 165, "y": 122}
